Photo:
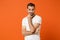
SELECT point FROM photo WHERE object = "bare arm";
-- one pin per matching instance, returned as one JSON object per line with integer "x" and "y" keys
{"x": 37, "y": 30}
{"x": 25, "y": 33}
{"x": 33, "y": 27}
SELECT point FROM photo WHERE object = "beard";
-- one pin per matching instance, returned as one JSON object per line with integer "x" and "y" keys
{"x": 31, "y": 13}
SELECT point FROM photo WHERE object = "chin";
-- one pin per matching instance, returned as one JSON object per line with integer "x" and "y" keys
{"x": 31, "y": 14}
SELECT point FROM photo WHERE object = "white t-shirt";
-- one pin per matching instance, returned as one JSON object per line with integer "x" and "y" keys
{"x": 36, "y": 19}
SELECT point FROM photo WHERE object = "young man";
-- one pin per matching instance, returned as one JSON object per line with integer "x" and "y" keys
{"x": 31, "y": 24}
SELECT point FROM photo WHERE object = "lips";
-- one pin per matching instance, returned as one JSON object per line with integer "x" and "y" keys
{"x": 31, "y": 13}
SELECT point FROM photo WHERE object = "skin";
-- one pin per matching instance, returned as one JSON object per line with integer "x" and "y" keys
{"x": 31, "y": 11}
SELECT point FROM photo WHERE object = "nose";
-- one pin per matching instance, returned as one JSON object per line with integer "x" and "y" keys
{"x": 31, "y": 11}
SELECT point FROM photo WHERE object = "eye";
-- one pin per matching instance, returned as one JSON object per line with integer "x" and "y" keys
{"x": 29, "y": 9}
{"x": 32, "y": 9}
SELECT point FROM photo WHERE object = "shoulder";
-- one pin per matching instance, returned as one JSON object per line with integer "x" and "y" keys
{"x": 23, "y": 19}
{"x": 38, "y": 17}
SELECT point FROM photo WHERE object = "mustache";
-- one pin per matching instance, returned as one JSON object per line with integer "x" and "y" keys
{"x": 30, "y": 12}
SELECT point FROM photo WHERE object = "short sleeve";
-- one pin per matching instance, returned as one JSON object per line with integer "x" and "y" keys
{"x": 38, "y": 20}
{"x": 23, "y": 22}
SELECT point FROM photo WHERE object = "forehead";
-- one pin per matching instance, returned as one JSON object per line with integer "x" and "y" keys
{"x": 30, "y": 7}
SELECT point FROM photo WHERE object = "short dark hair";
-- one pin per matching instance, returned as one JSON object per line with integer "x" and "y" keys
{"x": 30, "y": 4}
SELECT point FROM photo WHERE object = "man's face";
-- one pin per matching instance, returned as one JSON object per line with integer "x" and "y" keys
{"x": 31, "y": 10}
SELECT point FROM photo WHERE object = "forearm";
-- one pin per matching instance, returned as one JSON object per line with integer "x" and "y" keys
{"x": 26, "y": 33}
{"x": 31, "y": 26}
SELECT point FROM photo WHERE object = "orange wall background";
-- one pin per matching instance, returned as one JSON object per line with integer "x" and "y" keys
{"x": 12, "y": 12}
